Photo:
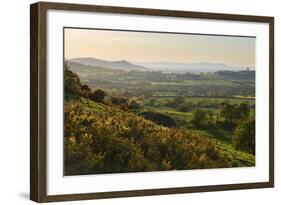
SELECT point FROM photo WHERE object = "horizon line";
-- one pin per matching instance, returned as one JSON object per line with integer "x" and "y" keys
{"x": 155, "y": 62}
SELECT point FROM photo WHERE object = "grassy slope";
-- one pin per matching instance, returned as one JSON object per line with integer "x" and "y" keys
{"x": 162, "y": 97}
{"x": 239, "y": 158}
{"x": 170, "y": 111}
{"x": 220, "y": 139}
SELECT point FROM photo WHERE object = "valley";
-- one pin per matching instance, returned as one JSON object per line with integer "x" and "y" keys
{"x": 215, "y": 106}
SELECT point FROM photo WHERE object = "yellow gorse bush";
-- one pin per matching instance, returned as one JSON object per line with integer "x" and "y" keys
{"x": 112, "y": 141}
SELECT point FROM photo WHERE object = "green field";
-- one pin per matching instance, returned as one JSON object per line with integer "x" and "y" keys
{"x": 198, "y": 82}
{"x": 179, "y": 116}
{"x": 162, "y": 96}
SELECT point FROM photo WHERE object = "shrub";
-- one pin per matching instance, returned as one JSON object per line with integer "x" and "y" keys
{"x": 135, "y": 103}
{"x": 185, "y": 107}
{"x": 119, "y": 100}
{"x": 97, "y": 96}
{"x": 114, "y": 141}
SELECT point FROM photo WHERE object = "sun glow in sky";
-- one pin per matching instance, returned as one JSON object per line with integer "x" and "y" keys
{"x": 159, "y": 47}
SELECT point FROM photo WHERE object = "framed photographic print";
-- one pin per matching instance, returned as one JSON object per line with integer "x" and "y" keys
{"x": 134, "y": 102}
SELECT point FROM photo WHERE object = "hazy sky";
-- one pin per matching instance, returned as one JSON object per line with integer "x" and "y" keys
{"x": 159, "y": 47}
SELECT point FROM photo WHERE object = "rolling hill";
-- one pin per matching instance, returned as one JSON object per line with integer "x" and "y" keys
{"x": 157, "y": 66}
{"x": 121, "y": 65}
{"x": 190, "y": 67}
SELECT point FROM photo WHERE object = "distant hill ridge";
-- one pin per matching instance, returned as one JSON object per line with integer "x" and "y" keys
{"x": 158, "y": 66}
{"x": 122, "y": 64}
{"x": 191, "y": 67}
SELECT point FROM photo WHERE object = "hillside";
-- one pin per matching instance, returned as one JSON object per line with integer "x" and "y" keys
{"x": 196, "y": 68}
{"x": 122, "y": 64}
{"x": 109, "y": 133}
{"x": 97, "y": 135}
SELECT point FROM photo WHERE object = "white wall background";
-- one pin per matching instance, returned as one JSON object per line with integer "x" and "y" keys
{"x": 14, "y": 101}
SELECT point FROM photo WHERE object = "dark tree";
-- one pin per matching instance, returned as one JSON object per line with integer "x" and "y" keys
{"x": 234, "y": 114}
{"x": 201, "y": 118}
{"x": 135, "y": 103}
{"x": 229, "y": 114}
{"x": 72, "y": 82}
{"x": 119, "y": 100}
{"x": 97, "y": 96}
{"x": 85, "y": 89}
{"x": 244, "y": 110}
{"x": 244, "y": 136}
